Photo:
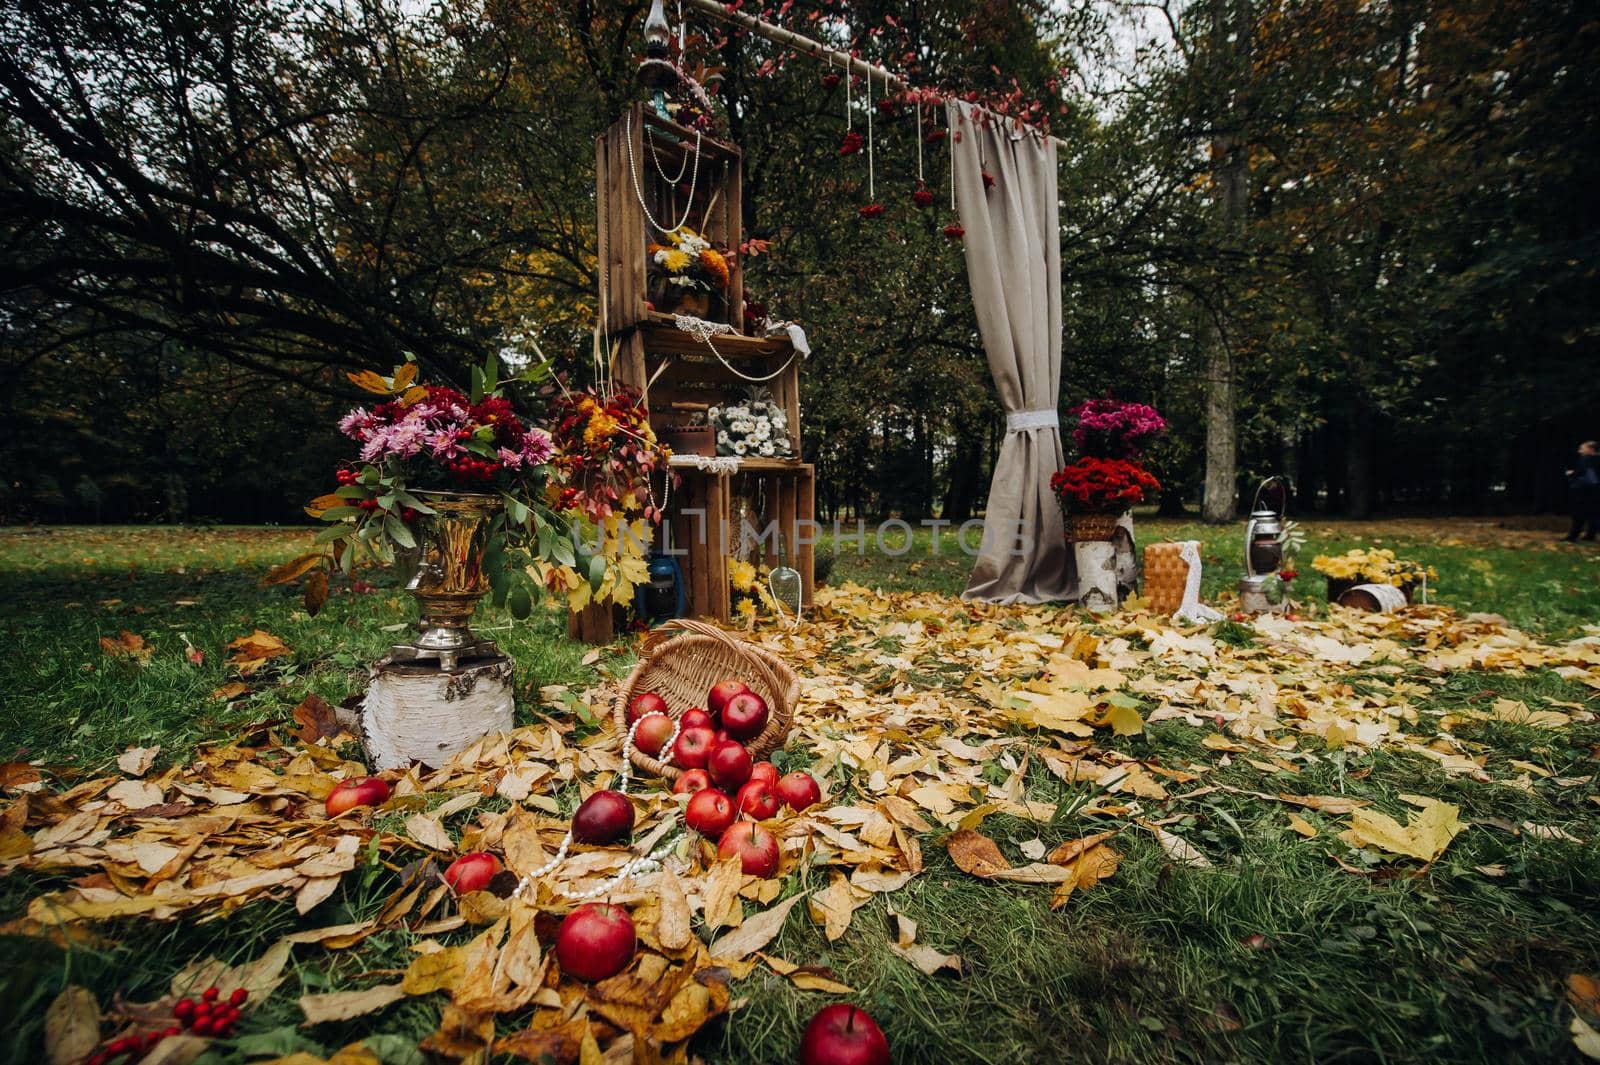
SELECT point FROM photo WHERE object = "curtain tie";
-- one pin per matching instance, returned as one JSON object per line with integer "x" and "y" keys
{"x": 1020, "y": 421}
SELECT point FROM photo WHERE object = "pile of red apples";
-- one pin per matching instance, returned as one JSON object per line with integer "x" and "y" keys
{"x": 729, "y": 792}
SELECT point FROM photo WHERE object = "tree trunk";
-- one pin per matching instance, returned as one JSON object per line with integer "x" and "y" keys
{"x": 1359, "y": 464}
{"x": 1231, "y": 25}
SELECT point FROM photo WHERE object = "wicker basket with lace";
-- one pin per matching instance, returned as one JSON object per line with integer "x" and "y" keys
{"x": 683, "y": 659}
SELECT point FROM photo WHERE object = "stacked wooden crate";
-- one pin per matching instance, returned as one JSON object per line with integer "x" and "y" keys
{"x": 675, "y": 370}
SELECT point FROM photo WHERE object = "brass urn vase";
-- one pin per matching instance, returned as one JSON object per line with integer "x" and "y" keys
{"x": 449, "y": 579}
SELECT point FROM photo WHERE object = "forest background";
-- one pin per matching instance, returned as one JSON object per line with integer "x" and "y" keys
{"x": 1360, "y": 238}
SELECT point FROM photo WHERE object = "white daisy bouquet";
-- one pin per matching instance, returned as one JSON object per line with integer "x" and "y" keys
{"x": 755, "y": 426}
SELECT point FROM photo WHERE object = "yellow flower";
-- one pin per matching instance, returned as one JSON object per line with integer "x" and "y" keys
{"x": 745, "y": 609}
{"x": 676, "y": 261}
{"x": 602, "y": 427}
{"x": 741, "y": 575}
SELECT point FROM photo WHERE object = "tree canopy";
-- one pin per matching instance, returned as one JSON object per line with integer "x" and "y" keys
{"x": 212, "y": 209}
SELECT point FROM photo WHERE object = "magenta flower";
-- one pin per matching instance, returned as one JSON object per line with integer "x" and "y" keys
{"x": 357, "y": 424}
{"x": 538, "y": 447}
{"x": 1109, "y": 428}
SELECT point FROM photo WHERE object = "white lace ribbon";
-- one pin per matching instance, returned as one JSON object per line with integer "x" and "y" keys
{"x": 1192, "y": 610}
{"x": 1020, "y": 421}
{"x": 707, "y": 463}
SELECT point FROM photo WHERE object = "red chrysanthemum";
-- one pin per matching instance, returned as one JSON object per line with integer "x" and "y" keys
{"x": 852, "y": 143}
{"x": 954, "y": 231}
{"x": 1102, "y": 486}
{"x": 922, "y": 198}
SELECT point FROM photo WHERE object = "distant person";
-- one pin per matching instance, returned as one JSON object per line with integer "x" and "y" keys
{"x": 1583, "y": 491}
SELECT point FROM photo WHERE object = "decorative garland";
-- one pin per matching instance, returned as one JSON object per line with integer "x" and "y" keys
{"x": 703, "y": 331}
{"x": 638, "y": 190}
{"x": 641, "y": 865}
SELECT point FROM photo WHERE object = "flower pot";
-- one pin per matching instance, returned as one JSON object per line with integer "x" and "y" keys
{"x": 1083, "y": 528}
{"x": 449, "y": 579}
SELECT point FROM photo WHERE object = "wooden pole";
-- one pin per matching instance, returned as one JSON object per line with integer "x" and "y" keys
{"x": 800, "y": 43}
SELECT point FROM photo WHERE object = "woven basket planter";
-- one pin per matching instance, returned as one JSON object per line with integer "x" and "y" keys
{"x": 1088, "y": 527}
{"x": 682, "y": 670}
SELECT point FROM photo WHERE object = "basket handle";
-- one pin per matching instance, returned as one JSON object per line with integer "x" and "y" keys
{"x": 705, "y": 629}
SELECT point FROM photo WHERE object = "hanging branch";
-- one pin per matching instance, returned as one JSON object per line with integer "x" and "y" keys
{"x": 799, "y": 42}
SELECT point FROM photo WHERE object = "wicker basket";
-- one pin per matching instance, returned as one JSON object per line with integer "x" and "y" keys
{"x": 1085, "y": 527}
{"x": 682, "y": 670}
{"x": 1166, "y": 575}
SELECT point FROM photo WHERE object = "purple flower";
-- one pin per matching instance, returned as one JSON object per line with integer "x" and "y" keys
{"x": 446, "y": 443}
{"x": 357, "y": 424}
{"x": 1108, "y": 428}
{"x": 511, "y": 460}
{"x": 538, "y": 447}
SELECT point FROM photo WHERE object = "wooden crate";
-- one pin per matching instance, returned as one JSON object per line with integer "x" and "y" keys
{"x": 625, "y": 233}
{"x": 668, "y": 366}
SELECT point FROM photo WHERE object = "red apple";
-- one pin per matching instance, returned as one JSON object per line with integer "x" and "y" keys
{"x": 471, "y": 872}
{"x": 646, "y": 703}
{"x": 723, "y": 690}
{"x": 841, "y": 1034}
{"x": 729, "y": 764}
{"x": 757, "y": 800}
{"x": 695, "y": 717}
{"x": 798, "y": 790}
{"x": 710, "y": 812}
{"x": 596, "y": 941}
{"x": 765, "y": 771}
{"x": 693, "y": 747}
{"x": 745, "y": 716}
{"x": 348, "y": 794}
{"x": 652, "y": 733}
{"x": 723, "y": 736}
{"x": 604, "y": 817}
{"x": 691, "y": 781}
{"x": 757, "y": 850}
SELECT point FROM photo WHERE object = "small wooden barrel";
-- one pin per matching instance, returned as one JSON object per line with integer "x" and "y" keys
{"x": 1165, "y": 576}
{"x": 682, "y": 670}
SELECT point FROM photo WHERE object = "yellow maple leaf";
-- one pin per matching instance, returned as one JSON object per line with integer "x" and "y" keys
{"x": 1424, "y": 836}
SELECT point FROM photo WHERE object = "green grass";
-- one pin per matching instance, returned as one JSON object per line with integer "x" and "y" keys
{"x": 1275, "y": 954}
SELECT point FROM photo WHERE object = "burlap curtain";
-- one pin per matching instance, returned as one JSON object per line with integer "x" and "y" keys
{"x": 1013, "y": 245}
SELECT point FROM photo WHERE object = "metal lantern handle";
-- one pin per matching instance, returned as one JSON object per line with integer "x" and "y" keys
{"x": 1255, "y": 508}
{"x": 1277, "y": 478}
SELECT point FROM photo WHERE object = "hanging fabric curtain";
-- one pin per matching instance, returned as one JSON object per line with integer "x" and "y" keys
{"x": 1013, "y": 247}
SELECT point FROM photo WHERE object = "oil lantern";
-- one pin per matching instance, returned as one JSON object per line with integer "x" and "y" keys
{"x": 1263, "y": 545}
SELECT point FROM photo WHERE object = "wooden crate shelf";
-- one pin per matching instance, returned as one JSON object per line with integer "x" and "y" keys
{"x": 670, "y": 367}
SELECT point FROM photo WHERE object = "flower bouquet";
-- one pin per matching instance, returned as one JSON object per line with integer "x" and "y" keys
{"x": 756, "y": 426}
{"x": 1093, "y": 491}
{"x": 1110, "y": 429}
{"x": 1377, "y": 566}
{"x": 607, "y": 454}
{"x": 690, "y": 271}
{"x": 459, "y": 479}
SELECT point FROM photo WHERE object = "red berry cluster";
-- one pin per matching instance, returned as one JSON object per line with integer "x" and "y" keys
{"x": 470, "y": 469}
{"x": 347, "y": 476}
{"x": 208, "y": 1017}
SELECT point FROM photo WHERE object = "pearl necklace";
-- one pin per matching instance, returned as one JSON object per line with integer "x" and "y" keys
{"x": 639, "y": 866}
{"x": 638, "y": 190}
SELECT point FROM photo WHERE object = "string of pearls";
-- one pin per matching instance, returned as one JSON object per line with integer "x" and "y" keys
{"x": 639, "y": 866}
{"x": 655, "y": 157}
{"x": 703, "y": 331}
{"x": 638, "y": 190}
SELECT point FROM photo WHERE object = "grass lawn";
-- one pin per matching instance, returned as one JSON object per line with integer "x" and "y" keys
{"x": 1288, "y": 948}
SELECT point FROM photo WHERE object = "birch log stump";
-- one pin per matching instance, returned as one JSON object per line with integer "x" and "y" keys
{"x": 1097, "y": 574}
{"x": 416, "y": 712}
